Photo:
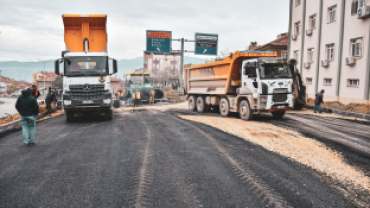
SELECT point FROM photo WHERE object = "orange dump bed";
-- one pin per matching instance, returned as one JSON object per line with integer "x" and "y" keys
{"x": 78, "y": 27}
{"x": 220, "y": 77}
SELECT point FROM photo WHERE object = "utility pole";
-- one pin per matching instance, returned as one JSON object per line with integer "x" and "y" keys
{"x": 44, "y": 78}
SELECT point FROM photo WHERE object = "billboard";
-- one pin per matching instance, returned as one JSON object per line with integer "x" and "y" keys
{"x": 206, "y": 44}
{"x": 158, "y": 41}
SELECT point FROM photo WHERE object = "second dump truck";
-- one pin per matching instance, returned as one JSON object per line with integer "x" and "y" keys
{"x": 247, "y": 82}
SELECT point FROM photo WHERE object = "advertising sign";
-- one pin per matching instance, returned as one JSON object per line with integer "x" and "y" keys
{"x": 206, "y": 44}
{"x": 158, "y": 41}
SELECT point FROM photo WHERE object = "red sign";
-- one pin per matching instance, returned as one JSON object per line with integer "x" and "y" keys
{"x": 159, "y": 35}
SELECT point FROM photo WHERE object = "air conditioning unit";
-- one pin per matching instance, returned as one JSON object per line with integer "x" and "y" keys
{"x": 306, "y": 65}
{"x": 308, "y": 32}
{"x": 363, "y": 12}
{"x": 325, "y": 63}
{"x": 350, "y": 61}
{"x": 294, "y": 37}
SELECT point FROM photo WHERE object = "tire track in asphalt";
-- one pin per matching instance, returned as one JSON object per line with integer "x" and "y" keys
{"x": 146, "y": 171}
{"x": 267, "y": 195}
{"x": 187, "y": 190}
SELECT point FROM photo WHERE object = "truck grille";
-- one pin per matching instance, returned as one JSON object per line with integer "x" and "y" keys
{"x": 86, "y": 91}
{"x": 280, "y": 97}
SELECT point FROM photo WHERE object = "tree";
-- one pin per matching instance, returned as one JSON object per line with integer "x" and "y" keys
{"x": 58, "y": 82}
{"x": 12, "y": 88}
{"x": 224, "y": 52}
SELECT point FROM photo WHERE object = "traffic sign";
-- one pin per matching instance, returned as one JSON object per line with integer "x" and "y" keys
{"x": 158, "y": 41}
{"x": 206, "y": 44}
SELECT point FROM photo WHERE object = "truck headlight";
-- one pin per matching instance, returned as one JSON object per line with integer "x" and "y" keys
{"x": 67, "y": 102}
{"x": 106, "y": 101}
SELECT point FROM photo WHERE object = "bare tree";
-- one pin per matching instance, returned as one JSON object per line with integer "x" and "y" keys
{"x": 224, "y": 52}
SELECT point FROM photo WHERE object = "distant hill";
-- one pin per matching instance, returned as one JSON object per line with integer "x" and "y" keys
{"x": 24, "y": 70}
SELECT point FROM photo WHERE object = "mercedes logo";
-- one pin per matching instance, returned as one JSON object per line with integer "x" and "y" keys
{"x": 281, "y": 83}
{"x": 87, "y": 88}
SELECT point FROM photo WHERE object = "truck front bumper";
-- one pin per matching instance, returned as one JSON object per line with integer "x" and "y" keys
{"x": 94, "y": 105}
{"x": 270, "y": 104}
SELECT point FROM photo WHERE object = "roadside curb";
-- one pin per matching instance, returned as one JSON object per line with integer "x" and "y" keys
{"x": 343, "y": 113}
{"x": 16, "y": 125}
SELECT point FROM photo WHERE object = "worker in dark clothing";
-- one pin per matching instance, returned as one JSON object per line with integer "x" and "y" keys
{"x": 35, "y": 92}
{"x": 48, "y": 100}
{"x": 28, "y": 109}
{"x": 318, "y": 101}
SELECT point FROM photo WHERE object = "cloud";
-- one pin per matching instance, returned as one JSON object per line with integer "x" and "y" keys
{"x": 34, "y": 29}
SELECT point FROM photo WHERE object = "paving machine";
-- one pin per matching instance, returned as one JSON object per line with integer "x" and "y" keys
{"x": 139, "y": 81}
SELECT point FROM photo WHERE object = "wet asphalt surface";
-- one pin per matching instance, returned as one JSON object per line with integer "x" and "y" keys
{"x": 149, "y": 158}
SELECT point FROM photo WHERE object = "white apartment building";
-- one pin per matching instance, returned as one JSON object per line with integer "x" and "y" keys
{"x": 330, "y": 40}
{"x": 162, "y": 65}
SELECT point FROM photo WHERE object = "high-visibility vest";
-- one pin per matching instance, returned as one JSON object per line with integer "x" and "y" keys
{"x": 36, "y": 92}
{"x": 137, "y": 95}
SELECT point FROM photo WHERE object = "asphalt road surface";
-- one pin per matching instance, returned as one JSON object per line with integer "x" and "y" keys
{"x": 149, "y": 158}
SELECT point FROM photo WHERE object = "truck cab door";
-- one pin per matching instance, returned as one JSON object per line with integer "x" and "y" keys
{"x": 249, "y": 76}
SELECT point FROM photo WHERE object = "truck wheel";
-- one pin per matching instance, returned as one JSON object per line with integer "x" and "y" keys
{"x": 69, "y": 117}
{"x": 278, "y": 114}
{"x": 245, "y": 111}
{"x": 224, "y": 107}
{"x": 298, "y": 106}
{"x": 201, "y": 105}
{"x": 192, "y": 103}
{"x": 109, "y": 115}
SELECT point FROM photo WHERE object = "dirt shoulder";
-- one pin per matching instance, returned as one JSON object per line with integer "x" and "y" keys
{"x": 352, "y": 107}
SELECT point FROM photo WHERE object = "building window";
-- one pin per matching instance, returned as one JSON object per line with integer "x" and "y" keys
{"x": 356, "y": 47}
{"x": 297, "y": 2}
{"x": 353, "y": 82}
{"x": 284, "y": 54}
{"x": 296, "y": 55}
{"x": 327, "y": 81}
{"x": 297, "y": 28}
{"x": 310, "y": 53}
{"x": 309, "y": 80}
{"x": 332, "y": 14}
{"x": 330, "y": 51}
{"x": 313, "y": 22}
{"x": 356, "y": 5}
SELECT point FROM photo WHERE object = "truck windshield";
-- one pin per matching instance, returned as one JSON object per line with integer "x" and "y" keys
{"x": 86, "y": 66}
{"x": 274, "y": 71}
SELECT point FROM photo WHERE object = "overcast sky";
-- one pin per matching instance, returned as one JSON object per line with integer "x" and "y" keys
{"x": 33, "y": 29}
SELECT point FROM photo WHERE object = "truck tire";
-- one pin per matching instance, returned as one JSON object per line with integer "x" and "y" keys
{"x": 278, "y": 114}
{"x": 245, "y": 111}
{"x": 224, "y": 107}
{"x": 69, "y": 117}
{"x": 201, "y": 104}
{"x": 192, "y": 103}
{"x": 298, "y": 106}
{"x": 109, "y": 115}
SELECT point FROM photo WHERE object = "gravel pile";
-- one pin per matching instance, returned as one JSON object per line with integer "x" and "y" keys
{"x": 292, "y": 145}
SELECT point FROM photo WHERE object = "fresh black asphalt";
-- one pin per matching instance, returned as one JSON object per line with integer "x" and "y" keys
{"x": 149, "y": 158}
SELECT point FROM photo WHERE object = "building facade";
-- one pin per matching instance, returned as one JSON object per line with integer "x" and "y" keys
{"x": 280, "y": 45}
{"x": 330, "y": 40}
{"x": 162, "y": 65}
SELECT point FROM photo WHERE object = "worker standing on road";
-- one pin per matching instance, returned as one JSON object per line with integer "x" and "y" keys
{"x": 28, "y": 109}
{"x": 318, "y": 101}
{"x": 35, "y": 92}
{"x": 48, "y": 100}
{"x": 137, "y": 98}
{"x": 151, "y": 96}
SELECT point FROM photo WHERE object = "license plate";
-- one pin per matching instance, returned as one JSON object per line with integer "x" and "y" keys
{"x": 281, "y": 106}
{"x": 87, "y": 101}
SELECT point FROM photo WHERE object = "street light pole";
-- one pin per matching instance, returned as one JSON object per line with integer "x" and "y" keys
{"x": 44, "y": 77}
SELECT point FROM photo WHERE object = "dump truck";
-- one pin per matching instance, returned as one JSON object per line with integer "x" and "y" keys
{"x": 246, "y": 82}
{"x": 86, "y": 71}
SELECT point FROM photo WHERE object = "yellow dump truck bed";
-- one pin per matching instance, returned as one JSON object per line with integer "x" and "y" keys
{"x": 220, "y": 77}
{"x": 77, "y": 27}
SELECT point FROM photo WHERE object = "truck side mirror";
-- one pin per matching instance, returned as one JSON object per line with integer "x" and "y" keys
{"x": 115, "y": 68}
{"x": 56, "y": 67}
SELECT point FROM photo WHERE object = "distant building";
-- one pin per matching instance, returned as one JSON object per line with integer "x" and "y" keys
{"x": 280, "y": 45}
{"x": 44, "y": 80}
{"x": 115, "y": 84}
{"x": 164, "y": 68}
{"x": 330, "y": 40}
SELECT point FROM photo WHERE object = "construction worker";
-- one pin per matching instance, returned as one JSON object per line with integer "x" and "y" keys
{"x": 318, "y": 101}
{"x": 137, "y": 98}
{"x": 151, "y": 96}
{"x": 35, "y": 91}
{"x": 121, "y": 95}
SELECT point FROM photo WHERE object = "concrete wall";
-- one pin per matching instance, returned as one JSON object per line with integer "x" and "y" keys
{"x": 295, "y": 45}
